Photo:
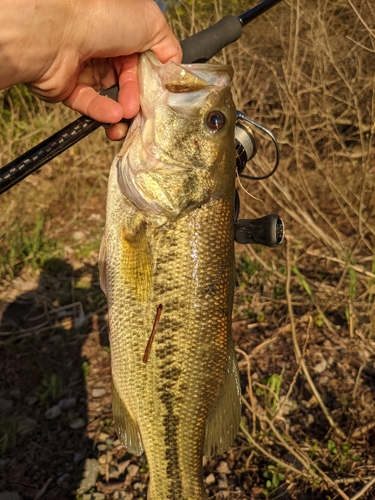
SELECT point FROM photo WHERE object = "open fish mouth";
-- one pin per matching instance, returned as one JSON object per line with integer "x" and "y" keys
{"x": 183, "y": 108}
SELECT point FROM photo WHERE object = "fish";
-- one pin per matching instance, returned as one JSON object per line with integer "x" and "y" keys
{"x": 167, "y": 268}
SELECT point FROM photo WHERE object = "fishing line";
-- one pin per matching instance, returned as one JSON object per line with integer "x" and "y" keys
{"x": 243, "y": 188}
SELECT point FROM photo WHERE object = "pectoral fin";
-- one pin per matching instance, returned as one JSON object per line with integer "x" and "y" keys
{"x": 136, "y": 260}
{"x": 126, "y": 427}
{"x": 223, "y": 422}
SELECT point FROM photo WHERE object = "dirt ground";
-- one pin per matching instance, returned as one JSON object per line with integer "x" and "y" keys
{"x": 57, "y": 434}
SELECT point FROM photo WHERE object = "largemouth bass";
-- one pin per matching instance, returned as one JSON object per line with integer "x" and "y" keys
{"x": 167, "y": 268}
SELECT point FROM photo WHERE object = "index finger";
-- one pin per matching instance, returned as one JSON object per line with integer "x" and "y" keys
{"x": 87, "y": 101}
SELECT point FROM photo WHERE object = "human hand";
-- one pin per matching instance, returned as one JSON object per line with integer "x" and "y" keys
{"x": 68, "y": 50}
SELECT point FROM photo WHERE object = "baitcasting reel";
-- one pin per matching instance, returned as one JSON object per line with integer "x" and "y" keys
{"x": 268, "y": 230}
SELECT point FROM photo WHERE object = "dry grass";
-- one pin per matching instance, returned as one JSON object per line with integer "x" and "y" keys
{"x": 304, "y": 314}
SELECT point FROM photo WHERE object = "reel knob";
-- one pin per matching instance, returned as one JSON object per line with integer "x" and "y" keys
{"x": 268, "y": 231}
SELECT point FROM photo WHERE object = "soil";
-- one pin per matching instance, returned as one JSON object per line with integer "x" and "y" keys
{"x": 55, "y": 353}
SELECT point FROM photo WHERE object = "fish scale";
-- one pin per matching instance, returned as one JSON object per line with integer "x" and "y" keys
{"x": 184, "y": 400}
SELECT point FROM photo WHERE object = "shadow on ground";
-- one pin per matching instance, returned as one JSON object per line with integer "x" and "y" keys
{"x": 46, "y": 334}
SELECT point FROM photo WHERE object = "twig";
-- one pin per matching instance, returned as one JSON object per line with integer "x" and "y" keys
{"x": 43, "y": 489}
{"x": 364, "y": 489}
{"x": 269, "y": 455}
{"x": 299, "y": 357}
{"x": 357, "y": 380}
{"x": 303, "y": 458}
{"x": 356, "y": 267}
{"x": 372, "y": 32}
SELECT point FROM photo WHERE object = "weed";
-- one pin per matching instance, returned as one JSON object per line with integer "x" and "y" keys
{"x": 85, "y": 369}
{"x": 342, "y": 455}
{"x": 278, "y": 291}
{"x": 303, "y": 282}
{"x": 248, "y": 267}
{"x": 319, "y": 322}
{"x": 269, "y": 388}
{"x": 352, "y": 283}
{"x": 274, "y": 478}
{"x": 49, "y": 389}
{"x": 8, "y": 434}
{"x": 314, "y": 447}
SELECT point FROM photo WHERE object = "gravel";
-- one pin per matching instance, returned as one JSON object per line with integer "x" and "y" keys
{"x": 98, "y": 392}
{"x": 90, "y": 474}
{"x": 53, "y": 412}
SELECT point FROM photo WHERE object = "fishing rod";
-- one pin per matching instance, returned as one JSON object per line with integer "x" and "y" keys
{"x": 197, "y": 48}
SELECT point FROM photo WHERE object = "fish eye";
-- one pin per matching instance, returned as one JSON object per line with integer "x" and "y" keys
{"x": 215, "y": 120}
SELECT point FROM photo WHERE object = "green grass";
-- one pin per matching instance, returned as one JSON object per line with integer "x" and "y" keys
{"x": 50, "y": 389}
{"x": 26, "y": 246}
{"x": 8, "y": 434}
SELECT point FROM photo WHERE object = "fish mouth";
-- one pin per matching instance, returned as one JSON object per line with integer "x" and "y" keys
{"x": 170, "y": 152}
{"x": 180, "y": 86}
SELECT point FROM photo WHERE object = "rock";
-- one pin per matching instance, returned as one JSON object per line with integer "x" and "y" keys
{"x": 67, "y": 403}
{"x": 5, "y": 405}
{"x": 64, "y": 481}
{"x": 90, "y": 474}
{"x": 26, "y": 425}
{"x": 223, "y": 495}
{"x": 78, "y": 457}
{"x": 94, "y": 496}
{"x": 10, "y": 495}
{"x": 109, "y": 442}
{"x": 15, "y": 393}
{"x": 223, "y": 468}
{"x": 210, "y": 479}
{"x": 102, "y": 438}
{"x": 78, "y": 235}
{"x": 103, "y": 459}
{"x": 320, "y": 367}
{"x": 288, "y": 405}
{"x": 95, "y": 217}
{"x": 77, "y": 423}
{"x": 133, "y": 470}
{"x": 122, "y": 466}
{"x": 53, "y": 412}
{"x": 139, "y": 487}
{"x": 122, "y": 495}
{"x": 101, "y": 447}
{"x": 113, "y": 472}
{"x": 98, "y": 392}
{"x": 222, "y": 484}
